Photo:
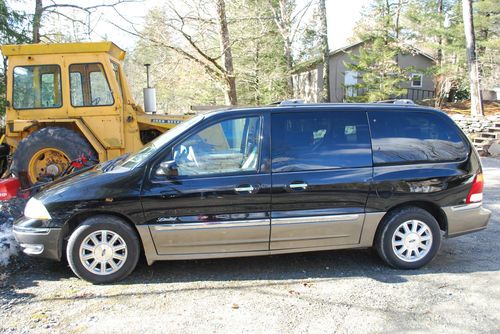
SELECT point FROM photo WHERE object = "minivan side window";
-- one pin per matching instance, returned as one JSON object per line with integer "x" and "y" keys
{"x": 230, "y": 146}
{"x": 413, "y": 137}
{"x": 319, "y": 140}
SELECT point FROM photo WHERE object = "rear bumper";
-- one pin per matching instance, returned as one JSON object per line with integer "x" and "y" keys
{"x": 38, "y": 241}
{"x": 466, "y": 218}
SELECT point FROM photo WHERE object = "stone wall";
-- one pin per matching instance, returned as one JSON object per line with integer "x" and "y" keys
{"x": 473, "y": 125}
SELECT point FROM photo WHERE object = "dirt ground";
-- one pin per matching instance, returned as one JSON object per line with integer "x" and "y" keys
{"x": 338, "y": 291}
{"x": 463, "y": 107}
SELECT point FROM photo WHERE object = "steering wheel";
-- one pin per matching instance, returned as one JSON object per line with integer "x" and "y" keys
{"x": 96, "y": 101}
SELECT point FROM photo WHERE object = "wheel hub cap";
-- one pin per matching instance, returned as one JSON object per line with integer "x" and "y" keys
{"x": 103, "y": 252}
{"x": 412, "y": 240}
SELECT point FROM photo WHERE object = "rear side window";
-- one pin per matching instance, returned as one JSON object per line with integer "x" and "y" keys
{"x": 319, "y": 140}
{"x": 412, "y": 137}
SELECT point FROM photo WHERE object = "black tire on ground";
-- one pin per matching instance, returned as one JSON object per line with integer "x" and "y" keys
{"x": 96, "y": 224}
{"x": 4, "y": 158}
{"x": 65, "y": 140}
{"x": 391, "y": 222}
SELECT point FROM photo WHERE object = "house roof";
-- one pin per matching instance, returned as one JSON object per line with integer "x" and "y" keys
{"x": 413, "y": 48}
{"x": 311, "y": 63}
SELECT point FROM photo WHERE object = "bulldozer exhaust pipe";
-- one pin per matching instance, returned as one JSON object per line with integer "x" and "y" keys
{"x": 149, "y": 94}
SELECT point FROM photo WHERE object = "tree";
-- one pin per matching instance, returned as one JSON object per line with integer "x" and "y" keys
{"x": 475, "y": 89}
{"x": 227, "y": 56}
{"x": 288, "y": 18}
{"x": 197, "y": 31}
{"x": 259, "y": 63}
{"x": 487, "y": 28}
{"x": 13, "y": 30}
{"x": 377, "y": 63}
{"x": 325, "y": 94}
{"x": 56, "y": 8}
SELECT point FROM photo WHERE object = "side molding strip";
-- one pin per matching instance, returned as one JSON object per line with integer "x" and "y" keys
{"x": 314, "y": 219}
{"x": 211, "y": 225}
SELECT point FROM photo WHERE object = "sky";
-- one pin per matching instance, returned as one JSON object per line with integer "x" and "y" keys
{"x": 341, "y": 15}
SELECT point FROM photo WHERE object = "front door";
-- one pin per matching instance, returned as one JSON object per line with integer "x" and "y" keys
{"x": 220, "y": 201}
{"x": 321, "y": 174}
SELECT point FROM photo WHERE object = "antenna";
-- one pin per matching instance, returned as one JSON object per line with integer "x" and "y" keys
{"x": 147, "y": 75}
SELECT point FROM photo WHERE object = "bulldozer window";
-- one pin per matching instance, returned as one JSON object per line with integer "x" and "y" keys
{"x": 37, "y": 87}
{"x": 89, "y": 86}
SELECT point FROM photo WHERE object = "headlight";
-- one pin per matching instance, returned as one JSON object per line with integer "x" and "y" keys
{"x": 36, "y": 210}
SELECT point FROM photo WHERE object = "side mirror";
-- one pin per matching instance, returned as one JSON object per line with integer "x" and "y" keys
{"x": 168, "y": 169}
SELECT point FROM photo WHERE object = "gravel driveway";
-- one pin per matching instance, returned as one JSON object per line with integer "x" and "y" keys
{"x": 337, "y": 291}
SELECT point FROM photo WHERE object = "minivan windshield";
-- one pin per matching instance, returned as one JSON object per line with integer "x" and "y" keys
{"x": 152, "y": 147}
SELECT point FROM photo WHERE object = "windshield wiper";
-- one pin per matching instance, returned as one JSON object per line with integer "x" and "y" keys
{"x": 110, "y": 165}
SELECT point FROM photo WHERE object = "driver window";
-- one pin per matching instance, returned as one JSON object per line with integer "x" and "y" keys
{"x": 89, "y": 86}
{"x": 226, "y": 147}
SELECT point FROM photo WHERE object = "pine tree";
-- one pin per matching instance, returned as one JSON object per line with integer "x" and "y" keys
{"x": 13, "y": 30}
{"x": 377, "y": 66}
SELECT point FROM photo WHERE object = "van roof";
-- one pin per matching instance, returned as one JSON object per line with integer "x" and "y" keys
{"x": 288, "y": 107}
{"x": 62, "y": 48}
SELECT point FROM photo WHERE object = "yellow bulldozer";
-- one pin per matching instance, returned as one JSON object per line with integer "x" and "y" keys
{"x": 72, "y": 101}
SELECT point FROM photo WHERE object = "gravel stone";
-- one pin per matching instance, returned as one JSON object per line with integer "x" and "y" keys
{"x": 349, "y": 291}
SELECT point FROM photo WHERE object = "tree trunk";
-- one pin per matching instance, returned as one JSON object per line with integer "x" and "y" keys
{"x": 440, "y": 79}
{"x": 476, "y": 102}
{"x": 325, "y": 93}
{"x": 283, "y": 19}
{"x": 37, "y": 17}
{"x": 230, "y": 95}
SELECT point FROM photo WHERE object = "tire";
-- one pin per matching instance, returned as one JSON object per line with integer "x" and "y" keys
{"x": 64, "y": 140}
{"x": 392, "y": 238}
{"x": 82, "y": 260}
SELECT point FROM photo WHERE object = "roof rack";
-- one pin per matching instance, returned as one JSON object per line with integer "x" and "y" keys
{"x": 398, "y": 101}
{"x": 291, "y": 102}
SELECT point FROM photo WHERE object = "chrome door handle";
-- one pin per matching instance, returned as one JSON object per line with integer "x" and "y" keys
{"x": 298, "y": 185}
{"x": 246, "y": 188}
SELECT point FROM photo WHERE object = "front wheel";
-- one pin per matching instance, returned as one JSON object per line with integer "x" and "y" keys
{"x": 103, "y": 249}
{"x": 408, "y": 238}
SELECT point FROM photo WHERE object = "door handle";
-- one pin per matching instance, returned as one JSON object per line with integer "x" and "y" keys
{"x": 298, "y": 186}
{"x": 244, "y": 188}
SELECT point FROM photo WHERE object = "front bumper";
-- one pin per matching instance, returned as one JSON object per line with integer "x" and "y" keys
{"x": 466, "y": 218}
{"x": 44, "y": 242}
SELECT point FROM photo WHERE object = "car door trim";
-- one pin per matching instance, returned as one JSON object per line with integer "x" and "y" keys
{"x": 314, "y": 219}
{"x": 211, "y": 225}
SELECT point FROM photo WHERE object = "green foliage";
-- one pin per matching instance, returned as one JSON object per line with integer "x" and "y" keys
{"x": 257, "y": 51}
{"x": 376, "y": 63}
{"x": 13, "y": 30}
{"x": 487, "y": 26}
{"x": 261, "y": 71}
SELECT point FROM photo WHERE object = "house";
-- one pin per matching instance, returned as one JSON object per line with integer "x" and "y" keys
{"x": 308, "y": 84}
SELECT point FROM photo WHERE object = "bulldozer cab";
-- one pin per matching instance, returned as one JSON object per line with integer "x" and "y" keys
{"x": 77, "y": 87}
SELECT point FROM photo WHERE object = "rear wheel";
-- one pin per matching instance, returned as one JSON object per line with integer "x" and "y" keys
{"x": 408, "y": 238}
{"x": 47, "y": 153}
{"x": 103, "y": 249}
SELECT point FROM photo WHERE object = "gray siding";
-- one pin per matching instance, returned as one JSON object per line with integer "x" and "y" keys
{"x": 308, "y": 87}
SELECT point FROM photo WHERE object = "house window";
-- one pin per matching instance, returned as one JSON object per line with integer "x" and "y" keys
{"x": 416, "y": 80}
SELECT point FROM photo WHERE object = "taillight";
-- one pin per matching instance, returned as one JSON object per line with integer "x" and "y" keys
{"x": 476, "y": 192}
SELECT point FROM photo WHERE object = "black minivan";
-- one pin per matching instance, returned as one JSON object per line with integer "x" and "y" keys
{"x": 268, "y": 180}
